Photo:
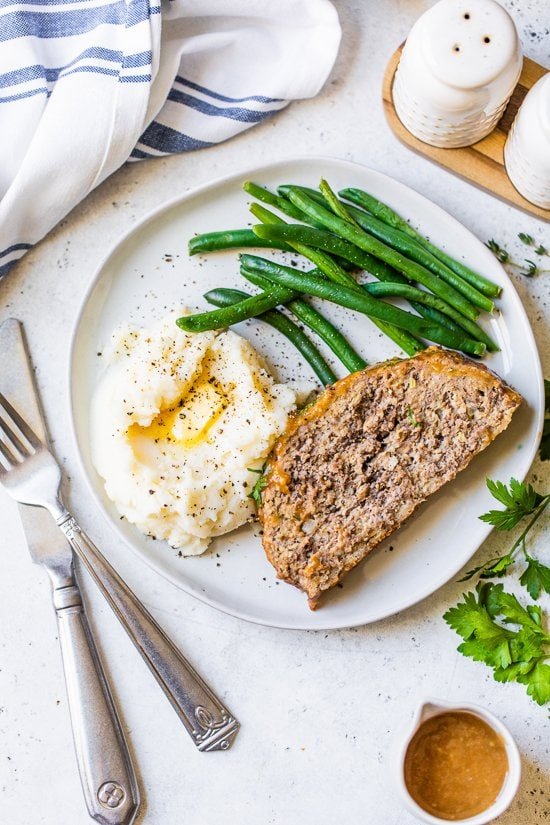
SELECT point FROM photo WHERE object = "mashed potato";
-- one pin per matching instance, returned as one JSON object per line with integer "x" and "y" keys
{"x": 176, "y": 422}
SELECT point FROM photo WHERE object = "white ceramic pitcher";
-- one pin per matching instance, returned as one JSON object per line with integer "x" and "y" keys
{"x": 433, "y": 707}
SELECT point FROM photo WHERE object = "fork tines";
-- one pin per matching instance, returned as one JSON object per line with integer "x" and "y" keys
{"x": 12, "y": 446}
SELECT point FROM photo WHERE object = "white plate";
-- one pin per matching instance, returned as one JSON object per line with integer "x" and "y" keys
{"x": 138, "y": 283}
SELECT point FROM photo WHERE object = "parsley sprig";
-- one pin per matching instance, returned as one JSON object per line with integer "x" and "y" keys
{"x": 520, "y": 501}
{"x": 510, "y": 638}
{"x": 495, "y": 627}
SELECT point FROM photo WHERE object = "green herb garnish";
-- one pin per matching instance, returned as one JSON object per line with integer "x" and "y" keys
{"x": 520, "y": 501}
{"x": 484, "y": 619}
{"x": 412, "y": 418}
{"x": 506, "y": 636}
{"x": 256, "y": 493}
{"x": 527, "y": 267}
{"x": 497, "y": 250}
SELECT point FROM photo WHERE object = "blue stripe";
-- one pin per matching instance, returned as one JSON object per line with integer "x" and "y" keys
{"x": 5, "y": 4}
{"x": 18, "y": 76}
{"x": 139, "y": 154}
{"x": 92, "y": 70}
{"x": 231, "y": 112}
{"x": 37, "y": 71}
{"x": 217, "y": 96}
{"x": 135, "y": 60}
{"x": 135, "y": 78}
{"x": 21, "y": 95}
{"x": 13, "y": 248}
{"x": 165, "y": 139}
{"x": 66, "y": 23}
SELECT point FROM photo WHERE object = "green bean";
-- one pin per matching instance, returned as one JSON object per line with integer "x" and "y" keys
{"x": 419, "y": 296}
{"x": 228, "y": 239}
{"x": 232, "y": 297}
{"x": 328, "y": 266}
{"x": 434, "y": 315}
{"x": 386, "y": 214}
{"x": 324, "y": 262}
{"x": 265, "y": 196}
{"x": 411, "y": 269}
{"x": 361, "y": 301}
{"x": 313, "y": 319}
{"x": 337, "y": 206}
{"x": 403, "y": 243}
{"x": 227, "y": 316}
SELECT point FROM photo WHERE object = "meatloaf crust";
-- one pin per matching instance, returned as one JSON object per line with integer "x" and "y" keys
{"x": 352, "y": 467}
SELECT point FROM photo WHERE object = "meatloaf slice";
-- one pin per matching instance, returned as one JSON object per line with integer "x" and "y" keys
{"x": 352, "y": 467}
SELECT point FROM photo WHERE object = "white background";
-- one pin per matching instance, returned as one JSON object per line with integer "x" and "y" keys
{"x": 319, "y": 710}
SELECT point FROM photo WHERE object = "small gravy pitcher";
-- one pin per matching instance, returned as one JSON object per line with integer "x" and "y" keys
{"x": 431, "y": 708}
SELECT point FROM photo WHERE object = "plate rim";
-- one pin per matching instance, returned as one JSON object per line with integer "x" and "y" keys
{"x": 245, "y": 173}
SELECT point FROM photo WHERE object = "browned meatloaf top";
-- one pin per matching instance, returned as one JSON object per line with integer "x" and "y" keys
{"x": 356, "y": 464}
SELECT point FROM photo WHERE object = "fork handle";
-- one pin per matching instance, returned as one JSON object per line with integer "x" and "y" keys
{"x": 208, "y": 722}
{"x": 106, "y": 772}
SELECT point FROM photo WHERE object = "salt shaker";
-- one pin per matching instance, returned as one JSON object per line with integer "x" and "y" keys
{"x": 527, "y": 150}
{"x": 458, "y": 68}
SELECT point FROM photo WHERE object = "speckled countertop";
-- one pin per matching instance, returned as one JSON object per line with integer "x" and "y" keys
{"x": 319, "y": 710}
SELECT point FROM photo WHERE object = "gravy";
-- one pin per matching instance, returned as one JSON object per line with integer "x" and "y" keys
{"x": 455, "y": 765}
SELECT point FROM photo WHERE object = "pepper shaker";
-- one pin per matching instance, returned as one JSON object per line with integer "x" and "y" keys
{"x": 458, "y": 68}
{"x": 527, "y": 149}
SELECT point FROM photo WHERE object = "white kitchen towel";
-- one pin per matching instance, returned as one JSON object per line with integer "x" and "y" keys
{"x": 87, "y": 84}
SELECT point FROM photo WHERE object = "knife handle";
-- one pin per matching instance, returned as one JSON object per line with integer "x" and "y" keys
{"x": 104, "y": 764}
{"x": 208, "y": 722}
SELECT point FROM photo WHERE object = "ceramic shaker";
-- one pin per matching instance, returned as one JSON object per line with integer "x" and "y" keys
{"x": 458, "y": 68}
{"x": 527, "y": 150}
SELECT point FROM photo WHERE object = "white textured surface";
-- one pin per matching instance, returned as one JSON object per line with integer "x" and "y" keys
{"x": 319, "y": 710}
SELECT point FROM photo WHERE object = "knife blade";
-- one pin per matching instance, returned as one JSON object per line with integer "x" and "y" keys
{"x": 105, "y": 767}
{"x": 17, "y": 382}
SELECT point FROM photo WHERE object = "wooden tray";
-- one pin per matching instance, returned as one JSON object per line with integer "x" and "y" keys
{"x": 483, "y": 163}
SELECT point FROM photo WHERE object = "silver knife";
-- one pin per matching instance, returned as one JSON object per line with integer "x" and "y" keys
{"x": 104, "y": 763}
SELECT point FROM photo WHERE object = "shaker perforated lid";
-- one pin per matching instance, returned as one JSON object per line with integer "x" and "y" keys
{"x": 468, "y": 43}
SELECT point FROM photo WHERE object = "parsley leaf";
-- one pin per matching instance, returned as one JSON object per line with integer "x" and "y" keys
{"x": 484, "y": 640}
{"x": 519, "y": 499}
{"x": 541, "y": 250}
{"x": 538, "y": 683}
{"x": 535, "y": 577}
{"x": 496, "y": 567}
{"x": 256, "y": 493}
{"x": 507, "y": 607}
{"x": 526, "y": 239}
{"x": 513, "y": 672}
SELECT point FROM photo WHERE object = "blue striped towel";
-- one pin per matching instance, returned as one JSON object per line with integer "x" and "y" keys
{"x": 86, "y": 85}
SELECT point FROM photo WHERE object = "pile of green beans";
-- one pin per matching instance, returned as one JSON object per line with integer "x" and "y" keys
{"x": 339, "y": 233}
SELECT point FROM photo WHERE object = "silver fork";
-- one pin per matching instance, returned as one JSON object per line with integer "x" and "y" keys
{"x": 30, "y": 473}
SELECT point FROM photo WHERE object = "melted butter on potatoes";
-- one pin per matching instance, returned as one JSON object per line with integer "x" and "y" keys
{"x": 176, "y": 422}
